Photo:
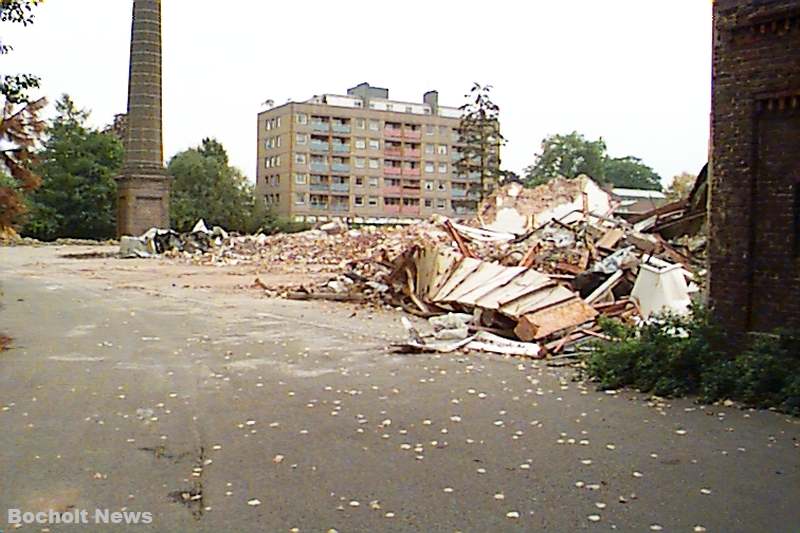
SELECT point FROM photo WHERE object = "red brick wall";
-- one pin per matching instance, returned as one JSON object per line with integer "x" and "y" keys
{"x": 755, "y": 175}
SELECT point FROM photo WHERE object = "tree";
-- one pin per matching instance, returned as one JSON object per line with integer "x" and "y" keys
{"x": 629, "y": 172}
{"x": 78, "y": 192}
{"x": 568, "y": 156}
{"x": 480, "y": 137}
{"x": 20, "y": 131}
{"x": 207, "y": 187}
{"x": 14, "y": 87}
{"x": 681, "y": 186}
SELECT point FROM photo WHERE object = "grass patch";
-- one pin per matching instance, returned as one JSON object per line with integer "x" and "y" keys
{"x": 678, "y": 356}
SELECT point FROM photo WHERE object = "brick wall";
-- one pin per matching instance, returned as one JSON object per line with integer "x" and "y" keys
{"x": 755, "y": 175}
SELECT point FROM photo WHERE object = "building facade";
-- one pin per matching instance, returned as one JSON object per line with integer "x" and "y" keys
{"x": 754, "y": 255}
{"x": 364, "y": 157}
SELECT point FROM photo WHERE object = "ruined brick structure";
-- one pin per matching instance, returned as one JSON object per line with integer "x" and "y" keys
{"x": 755, "y": 178}
{"x": 143, "y": 186}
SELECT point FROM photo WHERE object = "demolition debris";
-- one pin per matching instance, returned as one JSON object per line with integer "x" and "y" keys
{"x": 530, "y": 276}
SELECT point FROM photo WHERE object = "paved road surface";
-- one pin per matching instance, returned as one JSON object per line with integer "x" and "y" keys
{"x": 131, "y": 388}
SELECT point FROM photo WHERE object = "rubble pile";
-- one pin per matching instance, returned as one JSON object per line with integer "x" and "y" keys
{"x": 529, "y": 277}
{"x": 532, "y": 285}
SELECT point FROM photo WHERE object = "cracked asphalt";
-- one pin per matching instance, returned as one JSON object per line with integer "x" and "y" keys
{"x": 146, "y": 386}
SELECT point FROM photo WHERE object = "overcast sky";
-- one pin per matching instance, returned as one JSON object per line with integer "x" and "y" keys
{"x": 636, "y": 72}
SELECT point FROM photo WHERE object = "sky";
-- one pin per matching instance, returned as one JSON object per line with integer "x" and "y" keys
{"x": 635, "y": 72}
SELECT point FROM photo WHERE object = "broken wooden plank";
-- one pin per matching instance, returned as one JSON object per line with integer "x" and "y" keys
{"x": 610, "y": 240}
{"x": 609, "y": 284}
{"x": 541, "y": 324}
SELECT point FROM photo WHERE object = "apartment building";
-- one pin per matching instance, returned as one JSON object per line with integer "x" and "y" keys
{"x": 364, "y": 157}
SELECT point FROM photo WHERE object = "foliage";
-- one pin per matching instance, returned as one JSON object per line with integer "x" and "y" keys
{"x": 14, "y": 87}
{"x": 630, "y": 172}
{"x": 479, "y": 133}
{"x": 206, "y": 187}
{"x": 571, "y": 155}
{"x": 78, "y": 192}
{"x": 676, "y": 356}
{"x": 20, "y": 131}
{"x": 681, "y": 186}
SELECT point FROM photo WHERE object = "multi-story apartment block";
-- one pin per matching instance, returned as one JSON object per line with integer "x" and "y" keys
{"x": 364, "y": 157}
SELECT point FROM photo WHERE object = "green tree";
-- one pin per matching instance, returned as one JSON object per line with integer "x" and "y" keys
{"x": 629, "y": 172}
{"x": 207, "y": 187}
{"x": 480, "y": 137}
{"x": 78, "y": 192}
{"x": 568, "y": 156}
{"x": 14, "y": 87}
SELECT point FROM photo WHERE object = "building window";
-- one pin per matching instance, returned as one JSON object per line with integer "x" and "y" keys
{"x": 441, "y": 186}
{"x": 428, "y": 202}
{"x": 360, "y": 162}
{"x": 429, "y": 167}
{"x": 442, "y": 149}
{"x": 374, "y": 125}
{"x": 373, "y": 182}
{"x": 444, "y": 130}
{"x": 361, "y": 143}
{"x": 359, "y": 181}
{"x": 374, "y": 144}
{"x": 430, "y": 149}
{"x": 409, "y": 109}
{"x": 442, "y": 168}
{"x": 373, "y": 201}
{"x": 441, "y": 203}
{"x": 277, "y": 161}
{"x": 301, "y": 118}
{"x": 428, "y": 185}
{"x": 374, "y": 163}
{"x": 301, "y": 138}
{"x": 360, "y": 123}
{"x": 300, "y": 159}
{"x": 300, "y": 178}
{"x": 278, "y": 122}
{"x": 430, "y": 129}
{"x": 359, "y": 201}
{"x": 300, "y": 198}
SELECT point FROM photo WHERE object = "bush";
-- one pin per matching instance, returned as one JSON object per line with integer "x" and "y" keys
{"x": 677, "y": 356}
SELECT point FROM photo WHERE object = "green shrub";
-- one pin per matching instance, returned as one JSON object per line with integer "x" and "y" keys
{"x": 677, "y": 356}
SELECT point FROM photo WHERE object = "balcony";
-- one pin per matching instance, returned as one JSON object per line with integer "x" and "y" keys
{"x": 464, "y": 210}
{"x": 341, "y": 128}
{"x": 412, "y": 134}
{"x": 340, "y": 187}
{"x": 393, "y": 209}
{"x": 393, "y": 190}
{"x": 392, "y": 171}
{"x": 340, "y": 208}
{"x": 459, "y": 193}
{"x": 411, "y": 192}
{"x": 321, "y": 186}
{"x": 411, "y": 210}
{"x": 412, "y": 153}
{"x": 411, "y": 171}
{"x": 319, "y": 167}
{"x": 340, "y": 167}
{"x": 341, "y": 148}
{"x": 320, "y": 126}
{"x": 393, "y": 132}
{"x": 319, "y": 207}
{"x": 392, "y": 152}
{"x": 318, "y": 147}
